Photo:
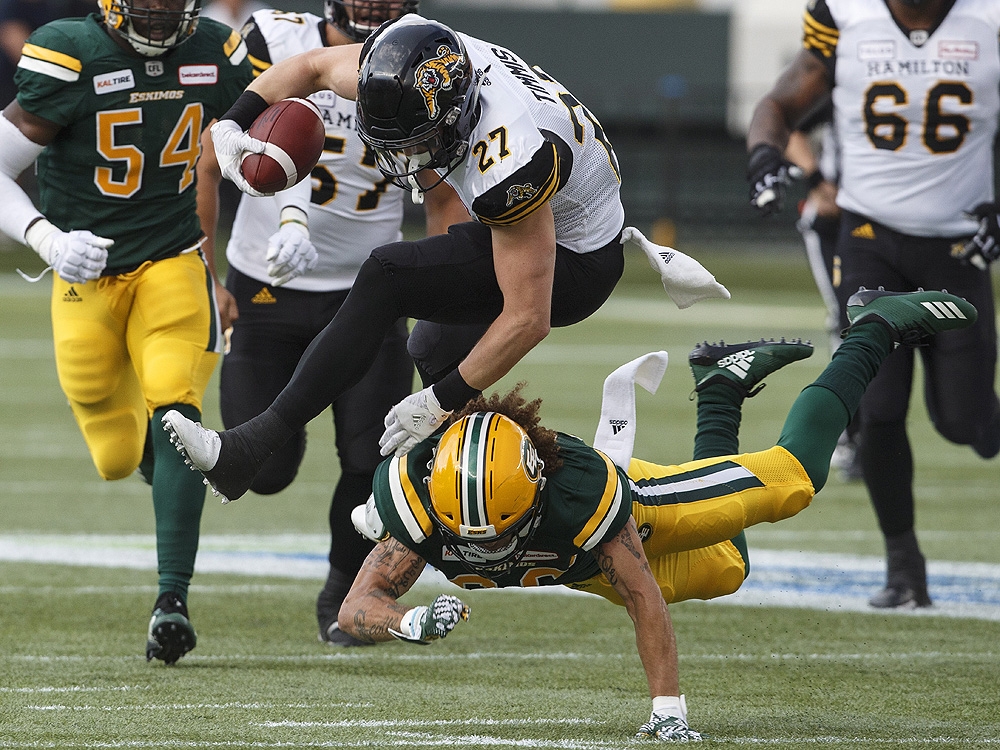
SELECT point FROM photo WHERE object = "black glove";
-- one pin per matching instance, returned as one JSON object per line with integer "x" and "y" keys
{"x": 984, "y": 246}
{"x": 768, "y": 174}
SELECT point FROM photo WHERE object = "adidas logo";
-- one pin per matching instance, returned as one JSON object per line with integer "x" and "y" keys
{"x": 264, "y": 297}
{"x": 865, "y": 232}
{"x": 617, "y": 425}
{"x": 943, "y": 309}
{"x": 72, "y": 296}
{"x": 737, "y": 363}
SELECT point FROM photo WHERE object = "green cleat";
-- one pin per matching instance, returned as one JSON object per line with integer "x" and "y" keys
{"x": 912, "y": 317}
{"x": 743, "y": 366}
{"x": 171, "y": 634}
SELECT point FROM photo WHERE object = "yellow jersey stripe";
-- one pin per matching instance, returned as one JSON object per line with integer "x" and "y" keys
{"x": 407, "y": 502}
{"x": 259, "y": 66}
{"x": 544, "y": 194}
{"x": 232, "y": 43}
{"x": 606, "y": 511}
{"x": 51, "y": 56}
{"x": 818, "y": 36}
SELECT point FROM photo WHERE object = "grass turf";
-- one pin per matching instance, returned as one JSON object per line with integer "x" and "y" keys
{"x": 527, "y": 670}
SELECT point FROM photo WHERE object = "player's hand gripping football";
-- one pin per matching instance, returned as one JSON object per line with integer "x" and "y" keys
{"x": 426, "y": 624}
{"x": 231, "y": 143}
{"x": 290, "y": 253}
{"x": 411, "y": 420}
{"x": 984, "y": 246}
{"x": 78, "y": 256}
{"x": 769, "y": 174}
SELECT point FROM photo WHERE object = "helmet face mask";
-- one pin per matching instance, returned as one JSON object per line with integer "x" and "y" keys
{"x": 152, "y": 31}
{"x": 418, "y": 93}
{"x": 485, "y": 485}
{"x": 358, "y": 19}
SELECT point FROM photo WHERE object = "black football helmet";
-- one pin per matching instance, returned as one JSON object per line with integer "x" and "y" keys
{"x": 358, "y": 19}
{"x": 418, "y": 99}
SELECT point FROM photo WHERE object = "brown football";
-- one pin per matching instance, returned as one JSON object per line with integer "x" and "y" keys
{"x": 293, "y": 133}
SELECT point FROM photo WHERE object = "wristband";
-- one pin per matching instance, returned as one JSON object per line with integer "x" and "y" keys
{"x": 294, "y": 215}
{"x": 813, "y": 179}
{"x": 452, "y": 392}
{"x": 247, "y": 108}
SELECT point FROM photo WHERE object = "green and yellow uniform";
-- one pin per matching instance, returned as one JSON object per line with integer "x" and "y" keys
{"x": 686, "y": 516}
{"x": 144, "y": 337}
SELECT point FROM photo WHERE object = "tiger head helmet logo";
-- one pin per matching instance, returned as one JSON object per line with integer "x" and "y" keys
{"x": 438, "y": 74}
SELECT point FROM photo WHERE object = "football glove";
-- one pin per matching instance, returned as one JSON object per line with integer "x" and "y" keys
{"x": 231, "y": 144}
{"x": 78, "y": 256}
{"x": 425, "y": 624}
{"x": 984, "y": 246}
{"x": 289, "y": 250}
{"x": 769, "y": 174}
{"x": 411, "y": 420}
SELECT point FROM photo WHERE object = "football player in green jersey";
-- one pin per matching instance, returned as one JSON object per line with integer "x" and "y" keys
{"x": 497, "y": 500}
{"x": 112, "y": 106}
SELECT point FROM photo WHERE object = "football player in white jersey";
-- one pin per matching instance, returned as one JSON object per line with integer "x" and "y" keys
{"x": 915, "y": 86}
{"x": 293, "y": 258}
{"x": 528, "y": 160}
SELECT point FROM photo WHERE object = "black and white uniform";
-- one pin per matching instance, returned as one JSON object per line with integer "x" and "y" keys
{"x": 916, "y": 116}
{"x": 351, "y": 209}
{"x": 533, "y": 144}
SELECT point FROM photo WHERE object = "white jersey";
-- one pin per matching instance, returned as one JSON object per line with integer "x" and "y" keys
{"x": 353, "y": 208}
{"x": 534, "y": 142}
{"x": 916, "y": 114}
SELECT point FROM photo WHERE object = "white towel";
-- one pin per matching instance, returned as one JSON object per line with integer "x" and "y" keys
{"x": 616, "y": 432}
{"x": 686, "y": 280}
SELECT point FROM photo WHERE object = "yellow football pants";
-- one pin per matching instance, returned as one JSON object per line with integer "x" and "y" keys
{"x": 126, "y": 345}
{"x": 687, "y": 541}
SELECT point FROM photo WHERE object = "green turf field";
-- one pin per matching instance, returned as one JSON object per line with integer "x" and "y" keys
{"x": 529, "y": 670}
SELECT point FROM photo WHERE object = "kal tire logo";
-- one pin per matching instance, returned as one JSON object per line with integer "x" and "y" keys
{"x": 617, "y": 425}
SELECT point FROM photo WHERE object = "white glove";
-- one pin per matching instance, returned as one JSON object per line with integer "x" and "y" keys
{"x": 668, "y": 722}
{"x": 231, "y": 144}
{"x": 426, "y": 624}
{"x": 289, "y": 251}
{"x": 411, "y": 420}
{"x": 78, "y": 256}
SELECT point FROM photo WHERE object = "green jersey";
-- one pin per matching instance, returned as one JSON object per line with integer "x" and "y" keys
{"x": 583, "y": 503}
{"x": 123, "y": 164}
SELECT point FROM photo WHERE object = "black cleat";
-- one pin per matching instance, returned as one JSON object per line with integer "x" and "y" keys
{"x": 328, "y": 607}
{"x": 171, "y": 634}
{"x": 743, "y": 366}
{"x": 912, "y": 317}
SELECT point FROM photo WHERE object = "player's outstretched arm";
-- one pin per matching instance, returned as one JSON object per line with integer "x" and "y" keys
{"x": 371, "y": 612}
{"x": 333, "y": 68}
{"x": 624, "y": 563}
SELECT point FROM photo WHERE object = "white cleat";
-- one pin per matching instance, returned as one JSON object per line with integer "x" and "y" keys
{"x": 199, "y": 446}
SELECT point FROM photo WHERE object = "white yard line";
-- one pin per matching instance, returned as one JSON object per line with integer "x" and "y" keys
{"x": 831, "y": 582}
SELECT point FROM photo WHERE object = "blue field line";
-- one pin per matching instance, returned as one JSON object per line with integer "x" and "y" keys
{"x": 782, "y": 578}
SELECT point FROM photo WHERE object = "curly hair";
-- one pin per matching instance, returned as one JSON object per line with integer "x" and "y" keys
{"x": 516, "y": 407}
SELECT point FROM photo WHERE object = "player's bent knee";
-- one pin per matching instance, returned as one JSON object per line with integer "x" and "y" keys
{"x": 115, "y": 439}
